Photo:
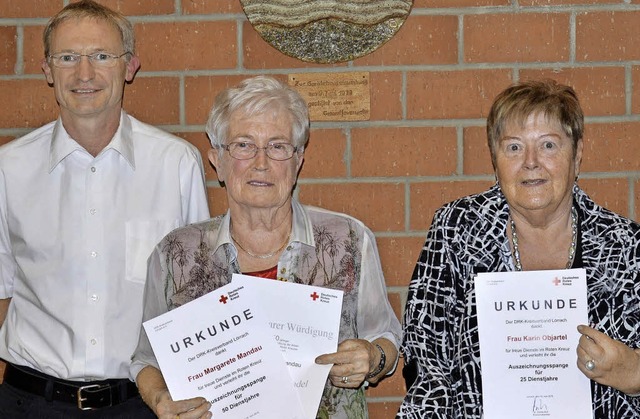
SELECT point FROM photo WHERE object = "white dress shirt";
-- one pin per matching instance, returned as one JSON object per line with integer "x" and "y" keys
{"x": 75, "y": 235}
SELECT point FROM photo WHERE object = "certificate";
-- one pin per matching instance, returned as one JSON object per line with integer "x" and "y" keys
{"x": 527, "y": 328}
{"x": 305, "y": 322}
{"x": 219, "y": 346}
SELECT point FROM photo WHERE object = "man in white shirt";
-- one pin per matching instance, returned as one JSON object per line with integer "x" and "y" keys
{"x": 83, "y": 201}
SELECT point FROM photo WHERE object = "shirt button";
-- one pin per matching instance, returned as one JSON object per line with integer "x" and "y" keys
{"x": 94, "y": 254}
{"x": 93, "y": 169}
{"x": 92, "y": 211}
{"x": 94, "y": 341}
{"x": 94, "y": 297}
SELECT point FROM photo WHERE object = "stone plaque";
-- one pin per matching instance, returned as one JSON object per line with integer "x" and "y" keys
{"x": 326, "y": 31}
{"x": 335, "y": 96}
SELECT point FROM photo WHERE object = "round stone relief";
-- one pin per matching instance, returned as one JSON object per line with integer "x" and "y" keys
{"x": 326, "y": 31}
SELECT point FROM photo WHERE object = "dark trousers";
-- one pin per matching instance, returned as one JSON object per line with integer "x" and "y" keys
{"x": 18, "y": 404}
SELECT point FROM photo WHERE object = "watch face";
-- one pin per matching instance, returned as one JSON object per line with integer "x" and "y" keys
{"x": 326, "y": 31}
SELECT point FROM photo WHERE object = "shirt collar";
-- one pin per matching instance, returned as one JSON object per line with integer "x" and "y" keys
{"x": 62, "y": 145}
{"x": 302, "y": 227}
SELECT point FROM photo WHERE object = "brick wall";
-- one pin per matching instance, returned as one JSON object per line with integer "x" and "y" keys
{"x": 431, "y": 88}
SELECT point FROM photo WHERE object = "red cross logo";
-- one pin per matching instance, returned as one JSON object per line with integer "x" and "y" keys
{"x": 556, "y": 281}
{"x": 223, "y": 299}
{"x": 315, "y": 296}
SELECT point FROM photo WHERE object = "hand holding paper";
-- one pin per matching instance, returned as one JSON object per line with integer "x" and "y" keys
{"x": 351, "y": 363}
{"x": 615, "y": 364}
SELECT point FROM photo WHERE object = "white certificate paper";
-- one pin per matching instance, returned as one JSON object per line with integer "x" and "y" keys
{"x": 527, "y": 327}
{"x": 305, "y": 322}
{"x": 219, "y": 346}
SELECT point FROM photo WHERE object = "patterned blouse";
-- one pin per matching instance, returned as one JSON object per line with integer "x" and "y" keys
{"x": 469, "y": 236}
{"x": 326, "y": 249}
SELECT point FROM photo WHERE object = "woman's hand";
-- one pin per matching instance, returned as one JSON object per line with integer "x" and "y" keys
{"x": 155, "y": 394}
{"x": 196, "y": 408}
{"x": 612, "y": 362}
{"x": 351, "y": 363}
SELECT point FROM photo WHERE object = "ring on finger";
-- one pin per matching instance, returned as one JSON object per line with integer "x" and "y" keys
{"x": 345, "y": 380}
{"x": 590, "y": 365}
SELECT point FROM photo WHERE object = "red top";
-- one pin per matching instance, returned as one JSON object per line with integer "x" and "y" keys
{"x": 271, "y": 273}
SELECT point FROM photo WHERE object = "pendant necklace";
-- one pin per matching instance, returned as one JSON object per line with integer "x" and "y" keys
{"x": 572, "y": 247}
{"x": 266, "y": 255}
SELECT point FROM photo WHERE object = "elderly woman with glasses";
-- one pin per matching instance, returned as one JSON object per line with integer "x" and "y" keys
{"x": 258, "y": 131}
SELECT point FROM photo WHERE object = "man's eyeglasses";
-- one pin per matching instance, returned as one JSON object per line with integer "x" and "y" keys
{"x": 97, "y": 59}
{"x": 243, "y": 150}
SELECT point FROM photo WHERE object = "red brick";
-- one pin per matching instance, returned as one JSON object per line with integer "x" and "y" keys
{"x": 217, "y": 200}
{"x": 207, "y": 7}
{"x": 383, "y": 410}
{"x": 459, "y": 3}
{"x": 141, "y": 7}
{"x": 154, "y": 100}
{"x": 635, "y": 95}
{"x": 608, "y": 36}
{"x": 421, "y": 40}
{"x": 403, "y": 151}
{"x": 611, "y": 147}
{"x": 187, "y": 45}
{"x": 200, "y": 140}
{"x": 392, "y": 386}
{"x": 379, "y": 205}
{"x": 427, "y": 197}
{"x": 200, "y": 93}
{"x": 259, "y": 54}
{"x": 477, "y": 158}
{"x": 516, "y": 37}
{"x": 453, "y": 94}
{"x": 395, "y": 300}
{"x": 29, "y": 8}
{"x": 386, "y": 95}
{"x": 33, "y": 50}
{"x": 37, "y": 104}
{"x": 563, "y": 2}
{"x": 324, "y": 155}
{"x": 399, "y": 256}
{"x": 601, "y": 90}
{"x": 8, "y": 53}
{"x": 636, "y": 187}
{"x": 612, "y": 194}
{"x": 4, "y": 140}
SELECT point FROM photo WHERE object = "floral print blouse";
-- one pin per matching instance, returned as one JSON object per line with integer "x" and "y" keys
{"x": 326, "y": 249}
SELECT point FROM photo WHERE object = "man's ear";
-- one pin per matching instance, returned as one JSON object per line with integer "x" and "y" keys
{"x": 47, "y": 70}
{"x": 133, "y": 65}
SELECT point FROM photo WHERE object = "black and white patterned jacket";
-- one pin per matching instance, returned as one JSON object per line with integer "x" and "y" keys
{"x": 468, "y": 236}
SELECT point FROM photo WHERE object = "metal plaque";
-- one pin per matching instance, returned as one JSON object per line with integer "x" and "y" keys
{"x": 335, "y": 96}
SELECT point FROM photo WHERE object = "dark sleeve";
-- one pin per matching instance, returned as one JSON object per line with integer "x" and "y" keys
{"x": 430, "y": 328}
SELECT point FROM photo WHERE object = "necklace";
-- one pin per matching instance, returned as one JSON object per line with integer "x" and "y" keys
{"x": 266, "y": 255}
{"x": 572, "y": 247}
